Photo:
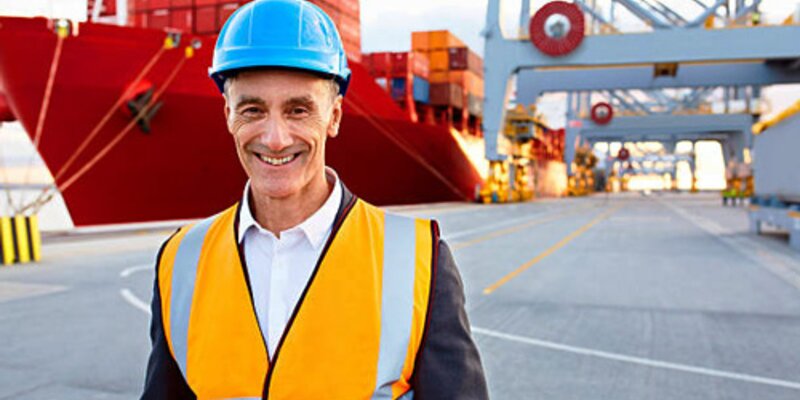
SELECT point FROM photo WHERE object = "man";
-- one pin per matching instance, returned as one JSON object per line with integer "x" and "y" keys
{"x": 303, "y": 291}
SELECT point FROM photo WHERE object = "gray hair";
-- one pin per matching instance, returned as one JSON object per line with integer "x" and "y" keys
{"x": 231, "y": 76}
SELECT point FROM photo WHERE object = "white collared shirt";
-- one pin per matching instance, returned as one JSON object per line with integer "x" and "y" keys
{"x": 279, "y": 269}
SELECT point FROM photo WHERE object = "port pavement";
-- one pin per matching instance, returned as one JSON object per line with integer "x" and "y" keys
{"x": 622, "y": 297}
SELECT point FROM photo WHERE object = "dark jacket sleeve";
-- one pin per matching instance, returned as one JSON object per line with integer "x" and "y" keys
{"x": 163, "y": 379}
{"x": 448, "y": 366}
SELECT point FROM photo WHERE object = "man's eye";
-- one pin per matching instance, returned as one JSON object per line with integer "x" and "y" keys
{"x": 298, "y": 111}
{"x": 251, "y": 111}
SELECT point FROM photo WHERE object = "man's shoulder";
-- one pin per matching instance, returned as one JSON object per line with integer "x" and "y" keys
{"x": 231, "y": 212}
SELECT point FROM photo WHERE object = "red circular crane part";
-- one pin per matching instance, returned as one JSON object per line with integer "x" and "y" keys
{"x": 557, "y": 28}
{"x": 624, "y": 154}
{"x": 602, "y": 113}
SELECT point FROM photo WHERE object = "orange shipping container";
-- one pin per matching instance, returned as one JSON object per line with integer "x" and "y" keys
{"x": 444, "y": 40}
{"x": 434, "y": 40}
{"x": 438, "y": 60}
{"x": 419, "y": 41}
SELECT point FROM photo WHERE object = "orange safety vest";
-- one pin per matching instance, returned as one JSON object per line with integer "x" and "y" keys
{"x": 354, "y": 334}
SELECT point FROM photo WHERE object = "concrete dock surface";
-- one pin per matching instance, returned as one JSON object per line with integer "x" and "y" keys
{"x": 628, "y": 296}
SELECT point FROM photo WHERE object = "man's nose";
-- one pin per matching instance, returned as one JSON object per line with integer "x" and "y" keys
{"x": 276, "y": 135}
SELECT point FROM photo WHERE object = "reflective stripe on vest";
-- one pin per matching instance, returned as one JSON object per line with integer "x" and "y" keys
{"x": 397, "y": 300}
{"x": 184, "y": 274}
{"x": 369, "y": 293}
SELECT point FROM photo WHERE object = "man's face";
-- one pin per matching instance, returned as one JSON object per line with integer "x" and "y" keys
{"x": 280, "y": 121}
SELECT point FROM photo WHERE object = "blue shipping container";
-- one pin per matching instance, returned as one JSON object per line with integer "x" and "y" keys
{"x": 398, "y": 88}
{"x": 421, "y": 89}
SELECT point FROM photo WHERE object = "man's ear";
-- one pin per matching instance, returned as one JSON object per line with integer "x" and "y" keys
{"x": 336, "y": 117}
{"x": 227, "y": 111}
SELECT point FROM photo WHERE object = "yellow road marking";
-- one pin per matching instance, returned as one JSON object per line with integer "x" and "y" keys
{"x": 513, "y": 274}
{"x": 515, "y": 228}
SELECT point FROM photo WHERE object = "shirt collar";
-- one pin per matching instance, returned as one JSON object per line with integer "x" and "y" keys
{"x": 315, "y": 227}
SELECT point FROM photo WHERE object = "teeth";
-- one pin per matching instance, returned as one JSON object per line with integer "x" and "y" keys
{"x": 276, "y": 161}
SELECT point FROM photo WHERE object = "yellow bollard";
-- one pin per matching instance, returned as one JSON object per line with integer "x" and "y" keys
{"x": 35, "y": 237}
{"x": 21, "y": 236}
{"x": 7, "y": 241}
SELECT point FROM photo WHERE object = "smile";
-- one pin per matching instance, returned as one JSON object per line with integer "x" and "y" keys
{"x": 277, "y": 161}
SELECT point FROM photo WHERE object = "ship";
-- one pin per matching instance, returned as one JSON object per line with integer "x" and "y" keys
{"x": 132, "y": 129}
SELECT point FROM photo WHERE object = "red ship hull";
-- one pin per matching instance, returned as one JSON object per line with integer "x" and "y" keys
{"x": 186, "y": 166}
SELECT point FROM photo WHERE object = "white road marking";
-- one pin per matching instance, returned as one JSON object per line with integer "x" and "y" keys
{"x": 638, "y": 360}
{"x": 134, "y": 301}
{"x": 136, "y": 268}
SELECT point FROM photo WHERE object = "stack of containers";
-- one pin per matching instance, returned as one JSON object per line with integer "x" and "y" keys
{"x": 346, "y": 14}
{"x": 206, "y": 17}
{"x": 404, "y": 75}
{"x": 456, "y": 78}
{"x": 201, "y": 17}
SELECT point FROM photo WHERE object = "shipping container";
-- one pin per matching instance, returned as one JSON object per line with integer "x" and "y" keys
{"x": 138, "y": 5}
{"x": 462, "y": 58}
{"x": 351, "y": 8}
{"x": 378, "y": 64}
{"x": 422, "y": 90}
{"x": 419, "y": 89}
{"x": 420, "y": 42}
{"x": 470, "y": 81}
{"x": 349, "y": 28}
{"x": 158, "y": 4}
{"x": 205, "y": 20}
{"x": 158, "y": 19}
{"x": 446, "y": 94}
{"x": 475, "y": 105}
{"x": 206, "y": 2}
{"x": 182, "y": 19}
{"x": 353, "y": 50}
{"x": 206, "y": 17}
{"x": 438, "y": 60}
{"x": 223, "y": 12}
{"x": 434, "y": 40}
{"x": 405, "y": 64}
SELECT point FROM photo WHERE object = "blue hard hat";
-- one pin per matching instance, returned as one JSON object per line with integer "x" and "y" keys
{"x": 292, "y": 34}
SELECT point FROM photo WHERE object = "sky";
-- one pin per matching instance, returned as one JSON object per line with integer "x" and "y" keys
{"x": 387, "y": 24}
